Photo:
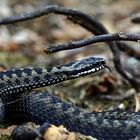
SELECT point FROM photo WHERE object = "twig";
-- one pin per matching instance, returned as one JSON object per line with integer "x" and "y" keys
{"x": 29, "y": 131}
{"x": 136, "y": 19}
{"x": 87, "y": 22}
{"x": 129, "y": 50}
{"x": 94, "y": 39}
{"x": 122, "y": 96}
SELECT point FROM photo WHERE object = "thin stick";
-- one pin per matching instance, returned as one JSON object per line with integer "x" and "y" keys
{"x": 94, "y": 39}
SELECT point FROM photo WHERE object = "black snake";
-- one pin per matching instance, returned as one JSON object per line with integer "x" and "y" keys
{"x": 16, "y": 88}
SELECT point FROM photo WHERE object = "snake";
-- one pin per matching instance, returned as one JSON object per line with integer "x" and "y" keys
{"x": 19, "y": 102}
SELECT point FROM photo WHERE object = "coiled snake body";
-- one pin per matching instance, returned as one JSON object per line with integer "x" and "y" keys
{"x": 40, "y": 107}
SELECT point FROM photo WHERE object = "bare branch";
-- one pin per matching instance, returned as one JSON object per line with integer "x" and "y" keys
{"x": 129, "y": 50}
{"x": 136, "y": 19}
{"x": 94, "y": 39}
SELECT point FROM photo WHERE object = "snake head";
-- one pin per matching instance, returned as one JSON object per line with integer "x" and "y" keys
{"x": 86, "y": 66}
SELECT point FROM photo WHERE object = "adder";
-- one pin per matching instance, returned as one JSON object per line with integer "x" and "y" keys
{"x": 19, "y": 102}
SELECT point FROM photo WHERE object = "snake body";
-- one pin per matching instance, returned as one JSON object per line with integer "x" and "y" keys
{"x": 40, "y": 107}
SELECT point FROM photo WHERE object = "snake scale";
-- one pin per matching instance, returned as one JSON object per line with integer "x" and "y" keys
{"x": 19, "y": 102}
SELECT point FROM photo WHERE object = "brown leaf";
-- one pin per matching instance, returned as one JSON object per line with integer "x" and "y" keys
{"x": 106, "y": 85}
{"x": 7, "y": 131}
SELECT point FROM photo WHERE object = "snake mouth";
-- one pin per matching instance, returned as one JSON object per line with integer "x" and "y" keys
{"x": 88, "y": 70}
{"x": 86, "y": 66}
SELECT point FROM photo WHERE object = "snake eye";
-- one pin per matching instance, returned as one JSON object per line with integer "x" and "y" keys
{"x": 103, "y": 62}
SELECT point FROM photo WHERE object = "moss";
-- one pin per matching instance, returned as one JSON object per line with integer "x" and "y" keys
{"x": 5, "y": 137}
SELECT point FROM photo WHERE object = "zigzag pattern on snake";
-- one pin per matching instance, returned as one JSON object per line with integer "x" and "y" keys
{"x": 41, "y": 107}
